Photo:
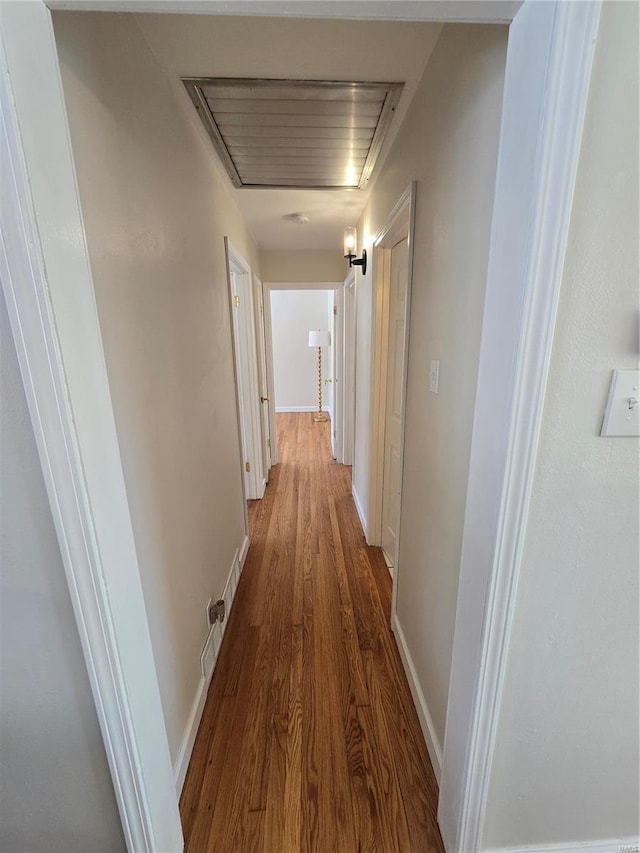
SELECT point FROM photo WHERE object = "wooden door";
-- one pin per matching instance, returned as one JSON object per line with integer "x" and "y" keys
{"x": 393, "y": 408}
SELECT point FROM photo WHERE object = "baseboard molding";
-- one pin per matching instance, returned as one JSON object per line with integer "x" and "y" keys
{"x": 244, "y": 548}
{"x": 612, "y": 845}
{"x": 280, "y": 409}
{"x": 216, "y": 635}
{"x": 426, "y": 723}
{"x": 360, "y": 511}
{"x": 186, "y": 747}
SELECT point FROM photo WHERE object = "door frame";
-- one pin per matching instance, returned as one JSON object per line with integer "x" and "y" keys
{"x": 267, "y": 287}
{"x": 245, "y": 369}
{"x": 336, "y": 328}
{"x": 399, "y": 224}
{"x": 263, "y": 374}
{"x": 49, "y": 290}
{"x": 349, "y": 365}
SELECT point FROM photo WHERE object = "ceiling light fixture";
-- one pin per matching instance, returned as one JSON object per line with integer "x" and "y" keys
{"x": 350, "y": 242}
{"x": 297, "y": 218}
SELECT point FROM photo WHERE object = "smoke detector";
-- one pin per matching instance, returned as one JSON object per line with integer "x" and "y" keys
{"x": 297, "y": 218}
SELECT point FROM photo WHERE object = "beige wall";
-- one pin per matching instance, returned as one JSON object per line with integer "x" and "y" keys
{"x": 56, "y": 794}
{"x": 448, "y": 144}
{"x": 301, "y": 266}
{"x": 295, "y": 372}
{"x": 566, "y": 762}
{"x": 156, "y": 211}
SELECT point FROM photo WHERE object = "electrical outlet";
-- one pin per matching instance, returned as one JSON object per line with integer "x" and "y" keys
{"x": 216, "y": 611}
{"x": 221, "y": 608}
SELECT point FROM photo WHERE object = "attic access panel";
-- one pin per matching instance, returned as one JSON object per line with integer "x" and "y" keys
{"x": 298, "y": 134}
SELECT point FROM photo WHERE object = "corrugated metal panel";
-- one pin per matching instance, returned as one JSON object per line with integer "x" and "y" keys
{"x": 294, "y": 133}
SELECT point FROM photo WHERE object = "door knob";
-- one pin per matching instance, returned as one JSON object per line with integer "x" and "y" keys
{"x": 264, "y": 399}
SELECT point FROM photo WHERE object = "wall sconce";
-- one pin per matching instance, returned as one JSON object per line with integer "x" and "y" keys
{"x": 350, "y": 240}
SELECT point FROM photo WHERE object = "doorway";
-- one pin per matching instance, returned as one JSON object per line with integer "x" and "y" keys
{"x": 399, "y": 286}
{"x": 532, "y": 287}
{"x": 246, "y": 373}
{"x": 291, "y": 311}
{"x": 392, "y": 276}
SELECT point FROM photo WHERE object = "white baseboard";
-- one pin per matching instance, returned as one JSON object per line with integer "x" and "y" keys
{"x": 296, "y": 409}
{"x": 360, "y": 511}
{"x": 216, "y": 634}
{"x": 426, "y": 723}
{"x": 612, "y": 845}
{"x": 242, "y": 556}
{"x": 186, "y": 747}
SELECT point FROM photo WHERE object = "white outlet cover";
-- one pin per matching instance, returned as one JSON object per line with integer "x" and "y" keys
{"x": 434, "y": 376}
{"x": 622, "y": 414}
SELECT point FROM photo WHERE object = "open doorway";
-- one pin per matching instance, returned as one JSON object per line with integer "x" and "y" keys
{"x": 393, "y": 272}
{"x": 71, "y": 345}
{"x": 292, "y": 311}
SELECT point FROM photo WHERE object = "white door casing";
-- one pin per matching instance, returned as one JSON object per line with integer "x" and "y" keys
{"x": 57, "y": 337}
{"x": 331, "y": 372}
{"x": 399, "y": 226}
{"x": 348, "y": 362}
{"x": 268, "y": 352}
{"x": 394, "y": 415}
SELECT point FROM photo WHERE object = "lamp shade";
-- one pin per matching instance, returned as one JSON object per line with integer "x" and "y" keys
{"x": 319, "y": 339}
{"x": 350, "y": 239}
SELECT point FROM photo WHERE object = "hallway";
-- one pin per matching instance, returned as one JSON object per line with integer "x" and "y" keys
{"x": 309, "y": 740}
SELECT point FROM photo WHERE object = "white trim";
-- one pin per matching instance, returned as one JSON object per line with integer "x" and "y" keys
{"x": 263, "y": 377}
{"x": 49, "y": 294}
{"x": 215, "y": 636}
{"x": 496, "y": 508}
{"x": 349, "y": 361}
{"x": 268, "y": 340}
{"x": 244, "y": 548}
{"x": 281, "y": 409}
{"x": 191, "y": 730}
{"x": 612, "y": 845}
{"x": 302, "y": 285}
{"x": 360, "y": 511}
{"x": 459, "y": 11}
{"x": 426, "y": 722}
{"x": 400, "y": 223}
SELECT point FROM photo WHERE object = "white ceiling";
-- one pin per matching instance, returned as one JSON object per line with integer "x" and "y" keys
{"x": 296, "y": 48}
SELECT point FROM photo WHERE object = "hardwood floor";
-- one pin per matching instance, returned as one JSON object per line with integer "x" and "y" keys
{"x": 309, "y": 739}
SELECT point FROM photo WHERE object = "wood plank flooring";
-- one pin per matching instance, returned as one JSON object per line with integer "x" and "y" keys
{"x": 309, "y": 739}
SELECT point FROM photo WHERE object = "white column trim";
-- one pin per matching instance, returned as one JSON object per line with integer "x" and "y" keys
{"x": 563, "y": 102}
{"x": 77, "y": 445}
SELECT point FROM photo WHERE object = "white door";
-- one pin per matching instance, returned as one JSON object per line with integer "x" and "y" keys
{"x": 264, "y": 384}
{"x": 393, "y": 411}
{"x": 247, "y": 378}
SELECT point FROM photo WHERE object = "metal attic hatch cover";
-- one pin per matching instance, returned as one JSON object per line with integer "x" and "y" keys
{"x": 301, "y": 134}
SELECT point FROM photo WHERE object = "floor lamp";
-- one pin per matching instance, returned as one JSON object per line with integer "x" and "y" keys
{"x": 319, "y": 339}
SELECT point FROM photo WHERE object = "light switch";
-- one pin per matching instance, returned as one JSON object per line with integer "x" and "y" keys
{"x": 434, "y": 376}
{"x": 622, "y": 415}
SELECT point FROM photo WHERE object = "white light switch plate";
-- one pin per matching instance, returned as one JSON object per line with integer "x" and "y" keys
{"x": 434, "y": 376}
{"x": 622, "y": 415}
